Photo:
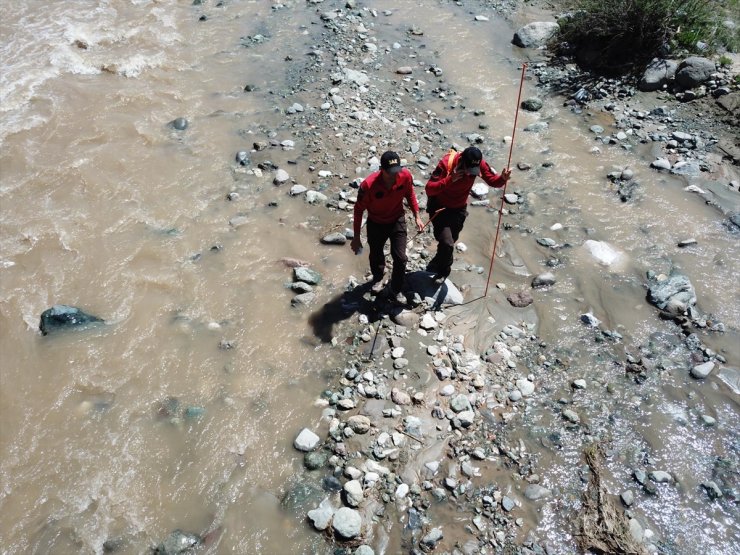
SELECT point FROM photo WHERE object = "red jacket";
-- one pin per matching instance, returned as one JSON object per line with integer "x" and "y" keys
{"x": 451, "y": 187}
{"x": 384, "y": 206}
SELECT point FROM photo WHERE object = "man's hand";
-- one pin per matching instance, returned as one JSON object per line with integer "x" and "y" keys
{"x": 506, "y": 174}
{"x": 356, "y": 244}
{"x": 419, "y": 223}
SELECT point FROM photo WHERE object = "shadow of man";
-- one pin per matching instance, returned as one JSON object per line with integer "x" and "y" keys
{"x": 341, "y": 307}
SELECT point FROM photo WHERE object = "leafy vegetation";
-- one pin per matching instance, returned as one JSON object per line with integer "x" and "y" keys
{"x": 615, "y": 36}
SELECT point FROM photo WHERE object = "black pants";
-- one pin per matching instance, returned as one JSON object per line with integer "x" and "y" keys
{"x": 447, "y": 227}
{"x": 377, "y": 235}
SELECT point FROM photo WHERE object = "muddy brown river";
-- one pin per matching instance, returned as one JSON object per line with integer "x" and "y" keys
{"x": 181, "y": 411}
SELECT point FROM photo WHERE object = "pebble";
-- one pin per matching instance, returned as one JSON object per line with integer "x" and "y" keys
{"x": 447, "y": 390}
{"x": 296, "y": 190}
{"x": 627, "y": 497}
{"x": 571, "y": 416}
{"x": 360, "y": 424}
{"x": 687, "y": 242}
{"x": 544, "y": 280}
{"x": 536, "y": 491}
{"x": 335, "y": 238}
{"x": 460, "y": 403}
{"x": 353, "y": 493}
{"x": 399, "y": 397}
{"x": 281, "y": 176}
{"x": 511, "y": 198}
{"x": 404, "y": 70}
{"x": 431, "y": 540}
{"x": 578, "y": 384}
{"x": 507, "y": 504}
{"x": 660, "y": 477}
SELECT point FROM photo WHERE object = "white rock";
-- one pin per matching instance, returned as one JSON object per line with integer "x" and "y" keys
{"x": 402, "y": 491}
{"x": 604, "y": 253}
{"x": 525, "y": 386}
{"x": 556, "y": 227}
{"x": 353, "y": 493}
{"x": 321, "y": 516}
{"x": 428, "y": 322}
{"x": 347, "y": 523}
{"x": 461, "y": 247}
{"x": 281, "y": 176}
{"x": 701, "y": 371}
{"x": 306, "y": 440}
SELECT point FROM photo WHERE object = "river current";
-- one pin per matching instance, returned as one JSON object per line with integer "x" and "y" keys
{"x": 106, "y": 206}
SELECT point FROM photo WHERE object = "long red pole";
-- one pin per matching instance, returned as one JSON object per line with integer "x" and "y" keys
{"x": 508, "y": 165}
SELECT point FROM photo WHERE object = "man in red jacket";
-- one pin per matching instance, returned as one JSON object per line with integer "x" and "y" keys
{"x": 447, "y": 191}
{"x": 382, "y": 194}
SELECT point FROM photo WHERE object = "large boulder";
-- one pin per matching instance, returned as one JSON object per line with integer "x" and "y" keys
{"x": 693, "y": 71}
{"x": 657, "y": 73}
{"x": 61, "y": 316}
{"x": 536, "y": 34}
{"x": 423, "y": 283}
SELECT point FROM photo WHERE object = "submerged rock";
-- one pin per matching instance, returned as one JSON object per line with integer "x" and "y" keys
{"x": 60, "y": 317}
{"x": 177, "y": 542}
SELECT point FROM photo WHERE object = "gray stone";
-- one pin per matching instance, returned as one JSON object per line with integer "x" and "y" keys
{"x": 686, "y": 168}
{"x": 315, "y": 460}
{"x": 520, "y": 299}
{"x": 712, "y": 489}
{"x": 661, "y": 164}
{"x": 480, "y": 190}
{"x": 571, "y": 416}
{"x": 507, "y": 503}
{"x": 304, "y": 299}
{"x": 306, "y": 275}
{"x": 701, "y": 371}
{"x": 296, "y": 190}
{"x": 300, "y": 287}
{"x": 60, "y": 317}
{"x": 281, "y": 176}
{"x": 535, "y": 34}
{"x": 399, "y": 397}
{"x": 364, "y": 550}
{"x": 511, "y": 198}
{"x": 515, "y": 396}
{"x": 544, "y": 280}
{"x": 674, "y": 294}
{"x": 536, "y": 491}
{"x": 460, "y": 403}
{"x": 657, "y": 74}
{"x": 347, "y": 523}
{"x": 694, "y": 71}
{"x": 423, "y": 284}
{"x": 306, "y": 440}
{"x": 357, "y": 77}
{"x": 466, "y": 418}
{"x": 731, "y": 377}
{"x": 405, "y": 70}
{"x": 335, "y": 238}
{"x": 525, "y": 386}
{"x": 597, "y": 129}
{"x": 627, "y": 497}
{"x": 321, "y": 516}
{"x": 430, "y": 541}
{"x": 353, "y": 493}
{"x": 590, "y": 320}
{"x": 660, "y": 477}
{"x": 533, "y": 104}
{"x": 537, "y": 126}
{"x": 314, "y": 197}
{"x": 181, "y": 124}
{"x": 177, "y": 542}
{"x": 360, "y": 424}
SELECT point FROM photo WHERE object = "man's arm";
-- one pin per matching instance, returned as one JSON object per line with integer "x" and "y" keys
{"x": 438, "y": 181}
{"x": 493, "y": 179}
{"x": 356, "y": 243}
{"x": 413, "y": 202}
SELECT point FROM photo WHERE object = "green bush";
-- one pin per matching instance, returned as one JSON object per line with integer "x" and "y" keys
{"x": 615, "y": 36}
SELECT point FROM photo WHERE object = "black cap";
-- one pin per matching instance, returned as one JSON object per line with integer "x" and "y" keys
{"x": 471, "y": 159}
{"x": 390, "y": 162}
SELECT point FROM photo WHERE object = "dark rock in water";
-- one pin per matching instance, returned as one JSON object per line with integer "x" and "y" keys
{"x": 627, "y": 190}
{"x": 331, "y": 483}
{"x": 533, "y": 104}
{"x": 675, "y": 294}
{"x": 177, "y": 542}
{"x": 60, "y": 317}
{"x": 181, "y": 124}
{"x": 543, "y": 280}
{"x": 242, "y": 158}
{"x": 302, "y": 497}
{"x": 315, "y": 460}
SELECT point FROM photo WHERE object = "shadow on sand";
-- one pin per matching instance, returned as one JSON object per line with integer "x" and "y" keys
{"x": 344, "y": 305}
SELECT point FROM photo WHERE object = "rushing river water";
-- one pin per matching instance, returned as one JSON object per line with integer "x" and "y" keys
{"x": 107, "y": 207}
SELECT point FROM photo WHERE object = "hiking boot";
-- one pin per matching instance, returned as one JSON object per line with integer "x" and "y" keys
{"x": 399, "y": 298}
{"x": 377, "y": 287}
